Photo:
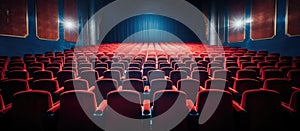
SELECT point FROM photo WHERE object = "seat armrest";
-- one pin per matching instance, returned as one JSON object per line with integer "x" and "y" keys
{"x": 167, "y": 77}
{"x": 201, "y": 88}
{"x": 147, "y": 89}
{"x": 287, "y": 108}
{"x": 100, "y": 109}
{"x": 295, "y": 88}
{"x": 237, "y": 107}
{"x": 53, "y": 109}
{"x": 174, "y": 88}
{"x": 233, "y": 91}
{"x": 122, "y": 78}
{"x": 190, "y": 105}
{"x": 59, "y": 91}
{"x": 6, "y": 109}
{"x": 146, "y": 107}
{"x": 92, "y": 88}
{"x": 234, "y": 79}
{"x": 120, "y": 88}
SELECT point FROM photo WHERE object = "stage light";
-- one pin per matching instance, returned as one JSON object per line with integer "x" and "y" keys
{"x": 69, "y": 24}
{"x": 238, "y": 24}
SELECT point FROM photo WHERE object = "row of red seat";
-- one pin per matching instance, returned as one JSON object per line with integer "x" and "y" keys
{"x": 154, "y": 70}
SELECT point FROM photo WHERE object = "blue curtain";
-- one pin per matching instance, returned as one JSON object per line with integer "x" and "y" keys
{"x": 150, "y": 28}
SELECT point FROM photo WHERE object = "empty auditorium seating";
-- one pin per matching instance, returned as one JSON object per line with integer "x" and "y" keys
{"x": 159, "y": 86}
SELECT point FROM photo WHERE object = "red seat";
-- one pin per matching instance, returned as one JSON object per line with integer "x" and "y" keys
{"x": 282, "y": 86}
{"x": 263, "y": 108}
{"x": 113, "y": 74}
{"x": 186, "y": 69}
{"x": 294, "y": 77}
{"x": 295, "y": 102}
{"x": 217, "y": 83}
{"x": 246, "y": 74}
{"x": 46, "y": 85}
{"x": 74, "y": 116}
{"x": 244, "y": 84}
{"x": 102, "y": 65}
{"x": 201, "y": 76}
{"x": 54, "y": 70}
{"x": 133, "y": 84}
{"x": 272, "y": 73}
{"x": 64, "y": 75}
{"x": 123, "y": 105}
{"x": 160, "y": 84}
{"x": 169, "y": 110}
{"x": 190, "y": 86}
{"x": 4, "y": 111}
{"x": 133, "y": 74}
{"x": 176, "y": 75}
{"x": 31, "y": 70}
{"x": 91, "y": 76}
{"x": 29, "y": 109}
{"x": 221, "y": 118}
{"x": 76, "y": 84}
{"x": 12, "y": 86}
{"x": 18, "y": 74}
{"x": 101, "y": 71}
{"x": 223, "y": 74}
{"x": 104, "y": 87}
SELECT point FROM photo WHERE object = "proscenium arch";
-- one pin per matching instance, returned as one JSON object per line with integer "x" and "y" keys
{"x": 148, "y": 22}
